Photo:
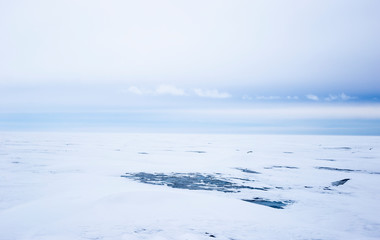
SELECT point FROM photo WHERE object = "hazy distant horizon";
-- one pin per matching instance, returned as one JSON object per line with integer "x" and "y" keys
{"x": 294, "y": 67}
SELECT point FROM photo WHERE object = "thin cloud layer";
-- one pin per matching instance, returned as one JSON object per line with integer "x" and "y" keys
{"x": 169, "y": 44}
{"x": 170, "y": 90}
{"x": 268, "y": 97}
{"x": 211, "y": 93}
{"x": 215, "y": 93}
{"x": 160, "y": 90}
{"x": 341, "y": 96}
{"x": 136, "y": 90}
{"x": 330, "y": 98}
{"x": 312, "y": 97}
{"x": 292, "y": 97}
{"x": 176, "y": 91}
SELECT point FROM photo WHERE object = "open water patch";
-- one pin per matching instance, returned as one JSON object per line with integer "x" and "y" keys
{"x": 191, "y": 181}
{"x": 246, "y": 170}
{"x": 208, "y": 182}
{"x": 269, "y": 203}
{"x": 340, "y": 182}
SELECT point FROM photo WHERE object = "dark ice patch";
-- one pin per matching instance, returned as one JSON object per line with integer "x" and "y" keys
{"x": 269, "y": 203}
{"x": 260, "y": 188}
{"x": 338, "y": 148}
{"x": 196, "y": 151}
{"x": 326, "y": 159}
{"x": 249, "y": 152}
{"x": 190, "y": 181}
{"x": 346, "y": 170}
{"x": 338, "y": 169}
{"x": 143, "y": 153}
{"x": 340, "y": 182}
{"x": 288, "y": 167}
{"x": 288, "y": 152}
{"x": 246, "y": 170}
{"x": 210, "y": 235}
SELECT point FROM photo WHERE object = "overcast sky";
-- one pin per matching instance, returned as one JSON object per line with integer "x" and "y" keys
{"x": 119, "y": 56}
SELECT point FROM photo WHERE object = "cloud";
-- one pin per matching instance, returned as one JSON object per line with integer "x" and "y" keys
{"x": 268, "y": 97}
{"x": 346, "y": 97}
{"x": 292, "y": 97}
{"x": 246, "y": 97}
{"x": 169, "y": 90}
{"x": 331, "y": 97}
{"x": 341, "y": 96}
{"x": 211, "y": 93}
{"x": 175, "y": 91}
{"x": 160, "y": 90}
{"x": 312, "y": 97}
{"x": 135, "y": 90}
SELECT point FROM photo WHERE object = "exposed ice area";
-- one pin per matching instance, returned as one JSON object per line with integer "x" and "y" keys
{"x": 247, "y": 170}
{"x": 340, "y": 182}
{"x": 339, "y": 148}
{"x": 67, "y": 186}
{"x": 194, "y": 181}
{"x": 272, "y": 204}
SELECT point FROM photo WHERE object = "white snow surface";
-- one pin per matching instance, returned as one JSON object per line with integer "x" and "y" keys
{"x": 57, "y": 186}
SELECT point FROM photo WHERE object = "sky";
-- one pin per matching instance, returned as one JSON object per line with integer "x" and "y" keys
{"x": 295, "y": 67}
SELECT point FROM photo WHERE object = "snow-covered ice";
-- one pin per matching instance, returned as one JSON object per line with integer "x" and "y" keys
{"x": 188, "y": 186}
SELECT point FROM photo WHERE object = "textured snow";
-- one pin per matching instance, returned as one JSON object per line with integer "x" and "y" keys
{"x": 70, "y": 186}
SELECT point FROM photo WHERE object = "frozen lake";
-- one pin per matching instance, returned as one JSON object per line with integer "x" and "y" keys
{"x": 187, "y": 186}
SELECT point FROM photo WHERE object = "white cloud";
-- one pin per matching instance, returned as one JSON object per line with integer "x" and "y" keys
{"x": 292, "y": 97}
{"x": 246, "y": 97}
{"x": 135, "y": 90}
{"x": 160, "y": 90}
{"x": 331, "y": 97}
{"x": 346, "y": 97}
{"x": 170, "y": 90}
{"x": 341, "y": 96}
{"x": 268, "y": 97}
{"x": 211, "y": 93}
{"x": 175, "y": 91}
{"x": 312, "y": 97}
